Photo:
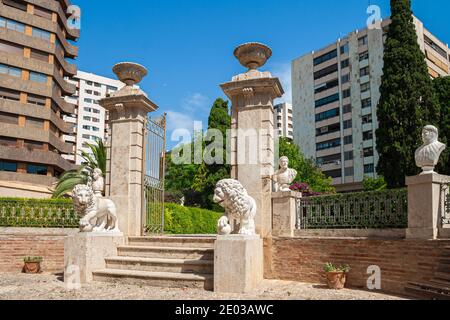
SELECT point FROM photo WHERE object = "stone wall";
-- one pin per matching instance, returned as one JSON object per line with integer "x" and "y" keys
{"x": 17, "y": 243}
{"x": 401, "y": 261}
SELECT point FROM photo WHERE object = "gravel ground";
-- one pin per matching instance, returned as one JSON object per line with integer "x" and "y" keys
{"x": 50, "y": 287}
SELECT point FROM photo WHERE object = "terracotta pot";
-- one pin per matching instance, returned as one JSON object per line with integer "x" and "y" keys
{"x": 336, "y": 280}
{"x": 32, "y": 267}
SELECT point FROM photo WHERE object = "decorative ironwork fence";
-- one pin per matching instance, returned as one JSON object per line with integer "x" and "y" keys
{"x": 38, "y": 214}
{"x": 445, "y": 193}
{"x": 364, "y": 210}
{"x": 155, "y": 154}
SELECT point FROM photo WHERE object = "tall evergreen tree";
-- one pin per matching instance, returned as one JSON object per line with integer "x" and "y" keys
{"x": 442, "y": 88}
{"x": 408, "y": 101}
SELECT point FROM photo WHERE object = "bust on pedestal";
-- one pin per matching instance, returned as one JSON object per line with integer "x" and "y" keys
{"x": 284, "y": 177}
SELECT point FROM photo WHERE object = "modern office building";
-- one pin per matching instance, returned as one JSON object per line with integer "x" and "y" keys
{"x": 335, "y": 95}
{"x": 283, "y": 120}
{"x": 35, "y": 43}
{"x": 90, "y": 119}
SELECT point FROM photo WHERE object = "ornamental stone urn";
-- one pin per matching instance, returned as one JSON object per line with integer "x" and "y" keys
{"x": 130, "y": 73}
{"x": 253, "y": 55}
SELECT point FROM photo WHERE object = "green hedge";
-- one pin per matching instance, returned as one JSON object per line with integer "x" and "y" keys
{"x": 187, "y": 220}
{"x": 37, "y": 213}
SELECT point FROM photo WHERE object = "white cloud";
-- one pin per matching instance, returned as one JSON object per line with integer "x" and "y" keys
{"x": 195, "y": 102}
{"x": 283, "y": 72}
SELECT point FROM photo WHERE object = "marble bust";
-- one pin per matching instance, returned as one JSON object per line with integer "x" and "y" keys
{"x": 284, "y": 177}
{"x": 97, "y": 183}
{"x": 427, "y": 156}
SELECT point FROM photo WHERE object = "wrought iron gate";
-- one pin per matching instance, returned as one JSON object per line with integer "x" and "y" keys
{"x": 155, "y": 153}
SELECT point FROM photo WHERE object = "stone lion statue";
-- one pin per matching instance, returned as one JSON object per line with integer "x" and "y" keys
{"x": 97, "y": 214}
{"x": 238, "y": 205}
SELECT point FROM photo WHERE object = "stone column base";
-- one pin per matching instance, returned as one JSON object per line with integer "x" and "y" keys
{"x": 238, "y": 263}
{"x": 85, "y": 253}
{"x": 422, "y": 233}
{"x": 284, "y": 214}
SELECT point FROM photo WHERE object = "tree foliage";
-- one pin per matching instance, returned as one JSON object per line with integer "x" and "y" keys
{"x": 407, "y": 102}
{"x": 307, "y": 170}
{"x": 372, "y": 184}
{"x": 442, "y": 88}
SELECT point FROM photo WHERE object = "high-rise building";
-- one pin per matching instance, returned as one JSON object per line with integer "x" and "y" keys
{"x": 283, "y": 120}
{"x": 35, "y": 45}
{"x": 335, "y": 95}
{"x": 90, "y": 119}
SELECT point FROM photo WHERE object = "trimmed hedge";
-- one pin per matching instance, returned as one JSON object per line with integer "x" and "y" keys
{"x": 188, "y": 220}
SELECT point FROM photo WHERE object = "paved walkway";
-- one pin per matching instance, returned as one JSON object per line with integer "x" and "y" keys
{"x": 47, "y": 286}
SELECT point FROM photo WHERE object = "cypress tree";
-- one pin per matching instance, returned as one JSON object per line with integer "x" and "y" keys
{"x": 407, "y": 102}
{"x": 442, "y": 88}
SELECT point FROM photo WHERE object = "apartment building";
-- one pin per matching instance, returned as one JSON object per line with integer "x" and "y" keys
{"x": 90, "y": 119}
{"x": 335, "y": 95}
{"x": 36, "y": 49}
{"x": 283, "y": 120}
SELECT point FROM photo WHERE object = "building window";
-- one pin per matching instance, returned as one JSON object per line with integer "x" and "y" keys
{"x": 42, "y": 12}
{"x": 364, "y": 72}
{"x": 35, "y": 122}
{"x": 334, "y": 173}
{"x": 368, "y": 152}
{"x": 328, "y": 144}
{"x": 348, "y": 124}
{"x": 347, "y": 108}
{"x": 8, "y": 166}
{"x": 345, "y": 63}
{"x": 86, "y": 136}
{"x": 86, "y": 118}
{"x": 366, "y": 103}
{"x": 98, "y": 85}
{"x": 348, "y": 140}
{"x": 96, "y": 93}
{"x": 333, "y": 159}
{"x": 368, "y": 135}
{"x": 36, "y": 169}
{"x": 8, "y": 118}
{"x": 369, "y": 168}
{"x": 87, "y": 109}
{"x": 89, "y": 83}
{"x": 95, "y": 111}
{"x": 325, "y": 86}
{"x": 435, "y": 47}
{"x": 365, "y": 87}
{"x": 345, "y": 78}
{"x": 327, "y": 100}
{"x": 12, "y": 25}
{"x": 326, "y": 71}
{"x": 37, "y": 100}
{"x": 87, "y": 127}
{"x": 364, "y": 56}
{"x": 327, "y": 114}
{"x": 348, "y": 155}
{"x": 88, "y": 91}
{"x": 363, "y": 41}
{"x": 38, "y": 77}
{"x": 327, "y": 56}
{"x": 346, "y": 93}
{"x": 95, "y": 129}
{"x": 349, "y": 171}
{"x": 367, "y": 119}
{"x": 12, "y": 71}
{"x": 39, "y": 55}
{"x": 87, "y": 100}
{"x": 12, "y": 48}
{"x": 41, "y": 34}
{"x": 344, "y": 48}
{"x": 33, "y": 145}
{"x": 328, "y": 129}
{"x": 21, "y": 5}
{"x": 9, "y": 94}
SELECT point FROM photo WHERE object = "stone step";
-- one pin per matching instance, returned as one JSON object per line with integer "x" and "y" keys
{"x": 440, "y": 283}
{"x": 427, "y": 291}
{"x": 161, "y": 265}
{"x": 166, "y": 252}
{"x": 442, "y": 276}
{"x": 174, "y": 241}
{"x": 155, "y": 279}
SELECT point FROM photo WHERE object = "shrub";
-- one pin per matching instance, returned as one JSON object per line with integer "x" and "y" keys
{"x": 188, "y": 220}
{"x": 329, "y": 267}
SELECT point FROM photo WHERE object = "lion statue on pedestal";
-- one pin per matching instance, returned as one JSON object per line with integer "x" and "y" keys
{"x": 238, "y": 205}
{"x": 97, "y": 213}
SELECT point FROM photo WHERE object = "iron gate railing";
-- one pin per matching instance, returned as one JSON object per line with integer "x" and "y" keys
{"x": 445, "y": 193}
{"x": 364, "y": 210}
{"x": 155, "y": 151}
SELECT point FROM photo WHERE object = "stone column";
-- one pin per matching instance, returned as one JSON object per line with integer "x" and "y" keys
{"x": 284, "y": 213}
{"x": 252, "y": 126}
{"x": 425, "y": 205}
{"x": 128, "y": 109}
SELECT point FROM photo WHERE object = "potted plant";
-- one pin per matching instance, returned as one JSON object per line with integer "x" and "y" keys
{"x": 32, "y": 264}
{"x": 336, "y": 276}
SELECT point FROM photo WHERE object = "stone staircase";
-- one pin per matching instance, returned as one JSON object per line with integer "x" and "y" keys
{"x": 437, "y": 288}
{"x": 162, "y": 261}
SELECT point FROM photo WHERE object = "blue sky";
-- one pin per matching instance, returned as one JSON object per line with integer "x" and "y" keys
{"x": 187, "y": 45}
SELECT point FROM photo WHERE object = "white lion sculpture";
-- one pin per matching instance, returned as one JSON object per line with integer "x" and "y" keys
{"x": 232, "y": 196}
{"x": 97, "y": 214}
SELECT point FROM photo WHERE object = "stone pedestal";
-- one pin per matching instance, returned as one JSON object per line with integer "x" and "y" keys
{"x": 425, "y": 205}
{"x": 128, "y": 109}
{"x": 284, "y": 215}
{"x": 85, "y": 253}
{"x": 238, "y": 263}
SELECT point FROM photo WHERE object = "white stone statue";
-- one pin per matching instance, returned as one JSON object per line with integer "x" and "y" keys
{"x": 238, "y": 205}
{"x": 96, "y": 182}
{"x": 97, "y": 213}
{"x": 284, "y": 177}
{"x": 427, "y": 156}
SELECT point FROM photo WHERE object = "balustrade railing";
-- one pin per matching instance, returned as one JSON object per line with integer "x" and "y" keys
{"x": 363, "y": 210}
{"x": 445, "y": 194}
{"x": 38, "y": 213}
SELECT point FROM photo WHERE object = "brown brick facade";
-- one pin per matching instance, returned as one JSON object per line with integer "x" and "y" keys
{"x": 401, "y": 261}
